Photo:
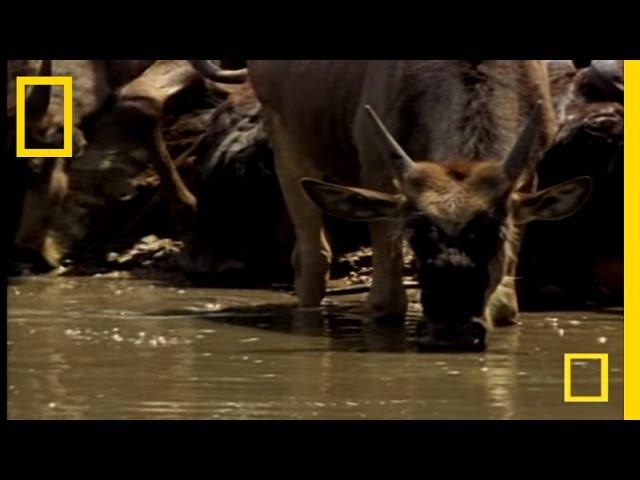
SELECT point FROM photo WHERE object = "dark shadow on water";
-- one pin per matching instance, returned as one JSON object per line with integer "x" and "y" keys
{"x": 345, "y": 326}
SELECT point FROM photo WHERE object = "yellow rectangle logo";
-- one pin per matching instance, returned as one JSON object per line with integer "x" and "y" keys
{"x": 631, "y": 239}
{"x": 603, "y": 358}
{"x": 21, "y": 87}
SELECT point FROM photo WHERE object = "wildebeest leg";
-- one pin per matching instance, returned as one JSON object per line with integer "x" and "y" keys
{"x": 43, "y": 203}
{"x": 182, "y": 203}
{"x": 185, "y": 158}
{"x": 502, "y": 307}
{"x": 311, "y": 255}
{"x": 388, "y": 298}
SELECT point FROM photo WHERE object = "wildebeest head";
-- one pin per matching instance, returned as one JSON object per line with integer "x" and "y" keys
{"x": 457, "y": 217}
{"x": 41, "y": 183}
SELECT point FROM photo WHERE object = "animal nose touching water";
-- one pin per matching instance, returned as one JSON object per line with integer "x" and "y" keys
{"x": 451, "y": 169}
{"x": 458, "y": 219}
{"x": 316, "y": 239}
{"x": 436, "y": 155}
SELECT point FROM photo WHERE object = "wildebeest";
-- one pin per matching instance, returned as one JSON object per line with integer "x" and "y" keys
{"x": 231, "y": 239}
{"x": 238, "y": 240}
{"x": 440, "y": 155}
{"x": 42, "y": 183}
{"x": 95, "y": 84}
{"x": 579, "y": 262}
{"x": 146, "y": 96}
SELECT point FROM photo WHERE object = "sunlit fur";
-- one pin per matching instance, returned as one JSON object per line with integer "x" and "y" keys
{"x": 457, "y": 119}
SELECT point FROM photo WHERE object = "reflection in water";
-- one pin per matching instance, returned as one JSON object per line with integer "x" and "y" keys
{"x": 500, "y": 376}
{"x": 105, "y": 348}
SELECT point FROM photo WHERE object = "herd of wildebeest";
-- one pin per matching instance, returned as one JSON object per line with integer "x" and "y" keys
{"x": 269, "y": 172}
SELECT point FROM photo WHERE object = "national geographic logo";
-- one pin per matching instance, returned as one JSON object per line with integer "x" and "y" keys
{"x": 603, "y": 358}
{"x": 21, "y": 87}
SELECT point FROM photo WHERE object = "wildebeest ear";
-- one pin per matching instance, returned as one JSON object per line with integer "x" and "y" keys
{"x": 352, "y": 203}
{"x": 553, "y": 203}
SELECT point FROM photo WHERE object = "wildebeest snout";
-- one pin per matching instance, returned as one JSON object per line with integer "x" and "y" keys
{"x": 451, "y": 257}
{"x": 453, "y": 287}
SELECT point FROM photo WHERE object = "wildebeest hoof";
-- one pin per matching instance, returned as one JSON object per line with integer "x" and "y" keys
{"x": 502, "y": 310}
{"x": 28, "y": 260}
{"x": 505, "y": 316}
{"x": 469, "y": 337}
{"x": 505, "y": 322}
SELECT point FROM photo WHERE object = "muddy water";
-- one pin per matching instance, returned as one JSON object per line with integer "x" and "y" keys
{"x": 98, "y": 348}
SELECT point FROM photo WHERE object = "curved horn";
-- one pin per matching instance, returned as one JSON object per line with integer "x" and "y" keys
{"x": 210, "y": 70}
{"x": 516, "y": 162}
{"x": 37, "y": 102}
{"x": 399, "y": 161}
